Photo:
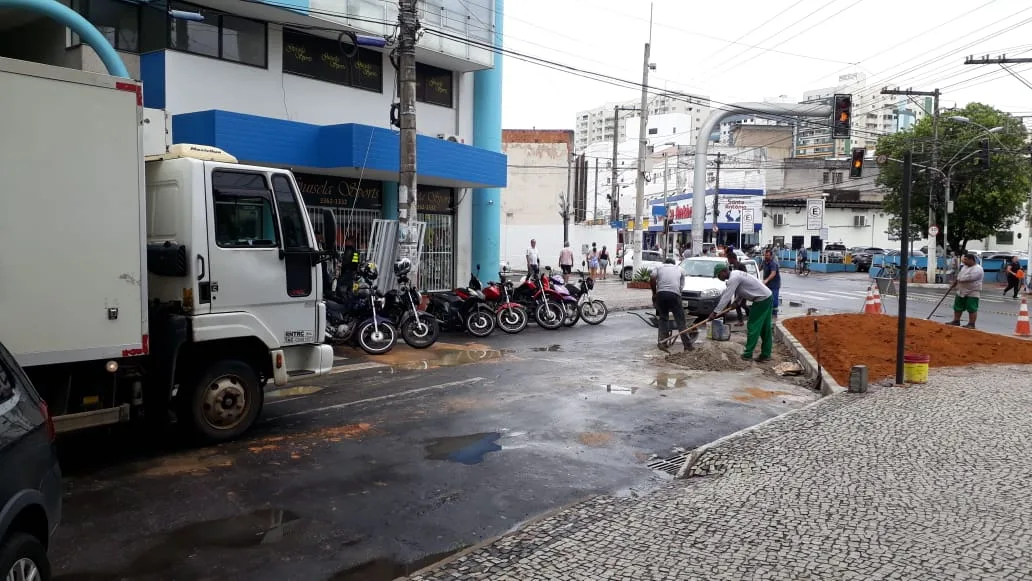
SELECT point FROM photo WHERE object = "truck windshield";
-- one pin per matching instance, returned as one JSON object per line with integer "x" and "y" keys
{"x": 696, "y": 267}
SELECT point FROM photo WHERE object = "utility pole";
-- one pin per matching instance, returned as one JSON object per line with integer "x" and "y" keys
{"x": 904, "y": 266}
{"x": 643, "y": 143}
{"x": 933, "y": 242}
{"x": 408, "y": 27}
{"x": 666, "y": 209}
{"x": 615, "y": 202}
{"x": 594, "y": 210}
{"x": 716, "y": 201}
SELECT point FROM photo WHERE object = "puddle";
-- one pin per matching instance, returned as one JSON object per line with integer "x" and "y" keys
{"x": 549, "y": 349}
{"x": 469, "y": 449}
{"x": 261, "y": 527}
{"x": 620, "y": 390}
{"x": 595, "y": 439}
{"x": 446, "y": 358}
{"x": 755, "y": 393}
{"x": 388, "y": 570}
{"x": 666, "y": 381}
{"x": 292, "y": 391}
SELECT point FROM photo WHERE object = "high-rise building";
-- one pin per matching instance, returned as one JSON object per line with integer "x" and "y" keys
{"x": 874, "y": 115}
{"x": 595, "y": 125}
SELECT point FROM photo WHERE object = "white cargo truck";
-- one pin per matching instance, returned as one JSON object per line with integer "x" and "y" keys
{"x": 132, "y": 288}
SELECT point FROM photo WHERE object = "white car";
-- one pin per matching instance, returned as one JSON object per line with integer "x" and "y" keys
{"x": 624, "y": 266}
{"x": 702, "y": 290}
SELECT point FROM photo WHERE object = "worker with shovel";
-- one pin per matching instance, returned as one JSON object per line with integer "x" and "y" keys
{"x": 743, "y": 286}
{"x": 666, "y": 282}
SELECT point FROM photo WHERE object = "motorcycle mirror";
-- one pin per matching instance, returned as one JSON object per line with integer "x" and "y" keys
{"x": 583, "y": 263}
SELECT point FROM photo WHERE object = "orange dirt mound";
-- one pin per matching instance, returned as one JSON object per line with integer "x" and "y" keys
{"x": 848, "y": 340}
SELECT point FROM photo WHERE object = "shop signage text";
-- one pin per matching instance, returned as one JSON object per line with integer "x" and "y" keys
{"x": 335, "y": 191}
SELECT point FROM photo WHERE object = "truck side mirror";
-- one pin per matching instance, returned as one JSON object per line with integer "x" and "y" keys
{"x": 329, "y": 228}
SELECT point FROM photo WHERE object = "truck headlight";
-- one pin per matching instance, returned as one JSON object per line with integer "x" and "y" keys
{"x": 710, "y": 293}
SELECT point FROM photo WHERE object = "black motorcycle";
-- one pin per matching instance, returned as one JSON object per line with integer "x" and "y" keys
{"x": 463, "y": 310}
{"x": 352, "y": 316}
{"x": 592, "y": 310}
{"x": 419, "y": 329}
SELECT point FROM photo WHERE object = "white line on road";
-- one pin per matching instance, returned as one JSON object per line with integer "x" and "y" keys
{"x": 356, "y": 367}
{"x": 469, "y": 381}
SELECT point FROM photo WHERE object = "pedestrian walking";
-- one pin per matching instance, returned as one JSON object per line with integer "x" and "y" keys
{"x": 593, "y": 261}
{"x": 566, "y": 261}
{"x": 772, "y": 278}
{"x": 666, "y": 282}
{"x": 1014, "y": 279}
{"x": 603, "y": 262}
{"x": 741, "y": 285}
{"x": 969, "y": 288}
{"x": 533, "y": 260}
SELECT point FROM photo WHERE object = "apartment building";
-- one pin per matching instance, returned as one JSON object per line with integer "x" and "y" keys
{"x": 598, "y": 124}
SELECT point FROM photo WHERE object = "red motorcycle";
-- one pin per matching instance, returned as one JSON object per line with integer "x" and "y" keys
{"x": 512, "y": 316}
{"x": 542, "y": 301}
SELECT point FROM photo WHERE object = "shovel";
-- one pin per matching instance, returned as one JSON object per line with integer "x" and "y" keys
{"x": 931, "y": 314}
{"x": 670, "y": 340}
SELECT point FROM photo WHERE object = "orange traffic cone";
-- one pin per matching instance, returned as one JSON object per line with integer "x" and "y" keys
{"x": 877, "y": 299}
{"x": 869, "y": 307}
{"x": 1022, "y": 329}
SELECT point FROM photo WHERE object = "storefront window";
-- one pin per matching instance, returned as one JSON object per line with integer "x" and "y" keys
{"x": 434, "y": 85}
{"x": 324, "y": 59}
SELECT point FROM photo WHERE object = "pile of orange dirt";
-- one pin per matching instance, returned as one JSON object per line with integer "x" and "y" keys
{"x": 848, "y": 340}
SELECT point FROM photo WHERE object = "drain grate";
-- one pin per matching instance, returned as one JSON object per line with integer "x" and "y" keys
{"x": 669, "y": 465}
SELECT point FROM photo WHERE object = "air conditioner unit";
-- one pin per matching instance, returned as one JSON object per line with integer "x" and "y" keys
{"x": 860, "y": 221}
{"x": 452, "y": 138}
{"x": 779, "y": 219}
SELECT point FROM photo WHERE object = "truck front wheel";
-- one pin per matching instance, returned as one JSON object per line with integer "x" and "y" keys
{"x": 224, "y": 402}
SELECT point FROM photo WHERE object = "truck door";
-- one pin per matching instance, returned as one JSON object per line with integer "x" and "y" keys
{"x": 259, "y": 269}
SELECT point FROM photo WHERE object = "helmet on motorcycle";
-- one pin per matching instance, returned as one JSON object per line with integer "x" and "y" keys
{"x": 402, "y": 266}
{"x": 368, "y": 271}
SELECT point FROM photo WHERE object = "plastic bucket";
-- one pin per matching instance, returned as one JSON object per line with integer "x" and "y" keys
{"x": 915, "y": 368}
{"x": 719, "y": 331}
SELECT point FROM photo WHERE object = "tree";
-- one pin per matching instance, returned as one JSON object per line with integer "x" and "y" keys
{"x": 985, "y": 201}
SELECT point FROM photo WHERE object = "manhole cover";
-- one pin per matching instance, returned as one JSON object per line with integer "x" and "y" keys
{"x": 671, "y": 465}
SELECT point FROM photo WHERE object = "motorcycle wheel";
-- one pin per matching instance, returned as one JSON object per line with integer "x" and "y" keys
{"x": 512, "y": 320}
{"x": 480, "y": 323}
{"x": 549, "y": 316}
{"x": 420, "y": 332}
{"x": 377, "y": 345}
{"x": 594, "y": 312}
{"x": 572, "y": 314}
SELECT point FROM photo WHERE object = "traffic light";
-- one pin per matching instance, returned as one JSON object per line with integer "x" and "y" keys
{"x": 983, "y": 160}
{"x": 856, "y": 167}
{"x": 842, "y": 116}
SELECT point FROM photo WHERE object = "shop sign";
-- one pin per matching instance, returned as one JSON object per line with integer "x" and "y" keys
{"x": 435, "y": 200}
{"x": 730, "y": 209}
{"x": 340, "y": 192}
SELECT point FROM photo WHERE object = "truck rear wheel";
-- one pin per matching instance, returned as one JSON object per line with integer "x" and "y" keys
{"x": 224, "y": 402}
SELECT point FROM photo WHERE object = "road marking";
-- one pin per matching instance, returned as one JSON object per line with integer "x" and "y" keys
{"x": 439, "y": 386}
{"x": 356, "y": 367}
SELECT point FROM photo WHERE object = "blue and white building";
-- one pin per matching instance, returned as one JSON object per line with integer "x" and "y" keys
{"x": 270, "y": 82}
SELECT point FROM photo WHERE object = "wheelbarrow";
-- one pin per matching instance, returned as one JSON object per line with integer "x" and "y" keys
{"x": 653, "y": 321}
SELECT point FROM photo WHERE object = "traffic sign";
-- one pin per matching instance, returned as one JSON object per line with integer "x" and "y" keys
{"x": 814, "y": 214}
{"x": 882, "y": 159}
{"x": 933, "y": 230}
{"x": 748, "y": 217}
{"x": 716, "y": 228}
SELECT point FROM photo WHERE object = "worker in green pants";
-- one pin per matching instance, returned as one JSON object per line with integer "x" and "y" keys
{"x": 742, "y": 285}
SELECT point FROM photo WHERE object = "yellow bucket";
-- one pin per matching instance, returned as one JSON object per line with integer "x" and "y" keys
{"x": 915, "y": 368}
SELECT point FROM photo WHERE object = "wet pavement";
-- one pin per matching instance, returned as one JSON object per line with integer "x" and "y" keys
{"x": 395, "y": 462}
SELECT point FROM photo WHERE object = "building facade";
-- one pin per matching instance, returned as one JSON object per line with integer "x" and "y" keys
{"x": 598, "y": 124}
{"x": 281, "y": 84}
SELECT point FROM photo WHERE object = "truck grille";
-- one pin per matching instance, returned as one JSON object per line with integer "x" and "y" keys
{"x": 690, "y": 294}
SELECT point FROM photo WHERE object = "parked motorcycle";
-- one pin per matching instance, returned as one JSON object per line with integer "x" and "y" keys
{"x": 463, "y": 310}
{"x": 568, "y": 301}
{"x": 351, "y": 316}
{"x": 512, "y": 317}
{"x": 593, "y": 311}
{"x": 541, "y": 301}
{"x": 419, "y": 329}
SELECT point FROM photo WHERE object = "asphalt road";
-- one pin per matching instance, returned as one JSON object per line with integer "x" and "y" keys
{"x": 846, "y": 293}
{"x": 391, "y": 463}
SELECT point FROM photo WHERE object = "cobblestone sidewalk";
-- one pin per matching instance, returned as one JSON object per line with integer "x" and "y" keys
{"x": 921, "y": 483}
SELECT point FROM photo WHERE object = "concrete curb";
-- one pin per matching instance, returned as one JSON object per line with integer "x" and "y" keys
{"x": 829, "y": 387}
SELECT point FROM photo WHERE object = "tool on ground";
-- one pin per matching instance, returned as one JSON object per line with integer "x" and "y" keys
{"x": 1022, "y": 328}
{"x": 670, "y": 340}
{"x": 820, "y": 372}
{"x": 938, "y": 304}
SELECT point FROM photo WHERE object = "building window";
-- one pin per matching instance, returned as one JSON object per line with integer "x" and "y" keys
{"x": 323, "y": 59}
{"x": 118, "y": 21}
{"x": 827, "y": 177}
{"x": 1005, "y": 237}
{"x": 434, "y": 85}
{"x": 836, "y": 178}
{"x": 654, "y": 131}
{"x": 221, "y": 36}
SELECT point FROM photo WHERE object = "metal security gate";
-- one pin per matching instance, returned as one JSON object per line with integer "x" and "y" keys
{"x": 357, "y": 224}
{"x": 438, "y": 260}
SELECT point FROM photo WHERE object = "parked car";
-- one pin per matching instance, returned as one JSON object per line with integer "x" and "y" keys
{"x": 702, "y": 290}
{"x": 624, "y": 266}
{"x": 835, "y": 252}
{"x": 30, "y": 479}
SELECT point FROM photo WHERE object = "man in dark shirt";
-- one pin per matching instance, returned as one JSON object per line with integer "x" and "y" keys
{"x": 772, "y": 278}
{"x": 350, "y": 261}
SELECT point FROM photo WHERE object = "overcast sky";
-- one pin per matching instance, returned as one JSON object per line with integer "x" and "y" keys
{"x": 747, "y": 50}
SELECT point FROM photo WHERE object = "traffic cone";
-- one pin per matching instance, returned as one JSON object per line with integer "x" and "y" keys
{"x": 1022, "y": 329}
{"x": 869, "y": 307}
{"x": 877, "y": 299}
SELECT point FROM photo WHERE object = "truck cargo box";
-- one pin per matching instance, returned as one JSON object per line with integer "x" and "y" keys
{"x": 72, "y": 253}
